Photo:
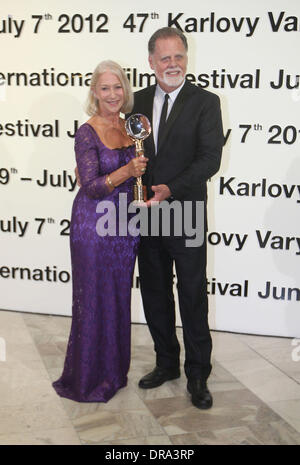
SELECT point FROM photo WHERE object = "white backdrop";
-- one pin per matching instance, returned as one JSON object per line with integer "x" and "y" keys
{"x": 247, "y": 53}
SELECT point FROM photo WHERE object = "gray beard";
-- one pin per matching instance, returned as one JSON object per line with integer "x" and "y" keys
{"x": 173, "y": 81}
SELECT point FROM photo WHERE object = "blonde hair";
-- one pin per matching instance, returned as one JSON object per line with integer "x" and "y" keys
{"x": 92, "y": 106}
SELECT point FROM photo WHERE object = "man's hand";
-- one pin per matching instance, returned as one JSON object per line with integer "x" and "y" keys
{"x": 77, "y": 177}
{"x": 161, "y": 192}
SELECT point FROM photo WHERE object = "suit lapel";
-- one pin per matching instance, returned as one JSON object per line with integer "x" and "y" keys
{"x": 148, "y": 103}
{"x": 176, "y": 110}
{"x": 148, "y": 111}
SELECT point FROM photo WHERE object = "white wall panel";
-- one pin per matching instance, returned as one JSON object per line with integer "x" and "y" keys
{"x": 247, "y": 53}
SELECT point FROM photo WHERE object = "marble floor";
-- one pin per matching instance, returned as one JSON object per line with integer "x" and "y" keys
{"x": 255, "y": 384}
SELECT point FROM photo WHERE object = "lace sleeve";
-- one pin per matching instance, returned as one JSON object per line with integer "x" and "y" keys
{"x": 87, "y": 160}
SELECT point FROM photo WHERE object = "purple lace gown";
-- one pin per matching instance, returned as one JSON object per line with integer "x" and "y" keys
{"x": 98, "y": 353}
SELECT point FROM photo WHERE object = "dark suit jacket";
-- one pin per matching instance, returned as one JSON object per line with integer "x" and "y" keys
{"x": 190, "y": 151}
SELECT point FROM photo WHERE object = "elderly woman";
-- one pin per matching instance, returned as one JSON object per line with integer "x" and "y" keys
{"x": 98, "y": 352}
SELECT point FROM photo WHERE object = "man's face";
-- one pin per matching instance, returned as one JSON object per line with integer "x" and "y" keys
{"x": 169, "y": 62}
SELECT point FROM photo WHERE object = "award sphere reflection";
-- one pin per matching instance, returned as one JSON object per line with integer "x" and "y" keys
{"x": 138, "y": 127}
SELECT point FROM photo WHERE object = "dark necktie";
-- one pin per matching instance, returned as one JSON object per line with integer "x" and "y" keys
{"x": 163, "y": 117}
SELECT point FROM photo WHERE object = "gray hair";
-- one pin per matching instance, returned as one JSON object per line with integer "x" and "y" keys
{"x": 165, "y": 33}
{"x": 92, "y": 106}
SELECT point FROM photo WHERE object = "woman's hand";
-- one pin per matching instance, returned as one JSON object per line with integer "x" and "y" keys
{"x": 137, "y": 166}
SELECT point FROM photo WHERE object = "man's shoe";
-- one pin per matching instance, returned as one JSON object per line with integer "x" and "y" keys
{"x": 201, "y": 397}
{"x": 157, "y": 377}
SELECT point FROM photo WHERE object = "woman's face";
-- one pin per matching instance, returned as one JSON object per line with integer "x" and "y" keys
{"x": 109, "y": 93}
